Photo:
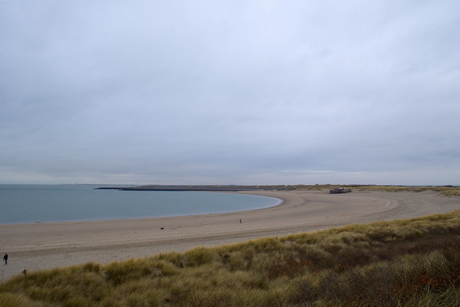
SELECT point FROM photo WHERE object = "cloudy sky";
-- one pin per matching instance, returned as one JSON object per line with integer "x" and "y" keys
{"x": 230, "y": 92}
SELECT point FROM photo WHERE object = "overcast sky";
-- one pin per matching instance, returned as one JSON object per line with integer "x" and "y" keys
{"x": 230, "y": 92}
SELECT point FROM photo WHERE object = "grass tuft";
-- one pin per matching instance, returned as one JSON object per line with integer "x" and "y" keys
{"x": 414, "y": 262}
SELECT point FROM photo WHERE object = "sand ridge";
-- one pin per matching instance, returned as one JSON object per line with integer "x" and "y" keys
{"x": 48, "y": 245}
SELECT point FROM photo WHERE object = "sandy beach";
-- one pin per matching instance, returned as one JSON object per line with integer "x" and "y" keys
{"x": 49, "y": 245}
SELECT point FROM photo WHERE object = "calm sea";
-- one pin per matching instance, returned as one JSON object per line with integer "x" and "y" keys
{"x": 62, "y": 203}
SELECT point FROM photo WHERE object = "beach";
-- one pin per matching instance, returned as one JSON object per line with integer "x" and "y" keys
{"x": 48, "y": 245}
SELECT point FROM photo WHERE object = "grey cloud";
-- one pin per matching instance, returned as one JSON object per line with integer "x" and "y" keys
{"x": 225, "y": 92}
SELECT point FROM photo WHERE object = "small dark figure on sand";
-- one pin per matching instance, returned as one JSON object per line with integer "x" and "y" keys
{"x": 5, "y": 258}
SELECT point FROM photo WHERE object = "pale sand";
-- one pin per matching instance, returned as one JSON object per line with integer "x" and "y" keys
{"x": 49, "y": 245}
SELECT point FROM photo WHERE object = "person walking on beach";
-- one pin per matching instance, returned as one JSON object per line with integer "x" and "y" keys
{"x": 5, "y": 258}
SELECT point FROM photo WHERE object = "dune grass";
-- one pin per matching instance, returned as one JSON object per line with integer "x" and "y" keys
{"x": 444, "y": 190}
{"x": 413, "y": 262}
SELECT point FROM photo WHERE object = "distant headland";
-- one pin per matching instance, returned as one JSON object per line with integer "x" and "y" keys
{"x": 204, "y": 188}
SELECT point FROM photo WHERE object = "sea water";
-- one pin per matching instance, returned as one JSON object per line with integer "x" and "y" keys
{"x": 63, "y": 203}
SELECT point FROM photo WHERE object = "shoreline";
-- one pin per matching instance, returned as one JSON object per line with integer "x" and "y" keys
{"x": 39, "y": 246}
{"x": 279, "y": 202}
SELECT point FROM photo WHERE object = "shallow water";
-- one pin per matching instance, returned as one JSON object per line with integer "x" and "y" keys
{"x": 62, "y": 203}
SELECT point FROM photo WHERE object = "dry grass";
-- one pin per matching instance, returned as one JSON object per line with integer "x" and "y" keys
{"x": 444, "y": 190}
{"x": 413, "y": 262}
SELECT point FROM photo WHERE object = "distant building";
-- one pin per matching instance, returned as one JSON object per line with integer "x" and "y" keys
{"x": 339, "y": 190}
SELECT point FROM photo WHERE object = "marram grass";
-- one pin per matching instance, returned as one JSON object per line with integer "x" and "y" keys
{"x": 444, "y": 190}
{"x": 413, "y": 262}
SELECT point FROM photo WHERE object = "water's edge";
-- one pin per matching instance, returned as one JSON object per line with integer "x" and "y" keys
{"x": 25, "y": 204}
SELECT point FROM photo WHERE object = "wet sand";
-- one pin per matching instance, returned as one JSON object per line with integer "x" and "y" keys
{"x": 48, "y": 245}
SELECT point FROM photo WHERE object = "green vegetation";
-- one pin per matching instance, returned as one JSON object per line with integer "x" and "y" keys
{"x": 414, "y": 262}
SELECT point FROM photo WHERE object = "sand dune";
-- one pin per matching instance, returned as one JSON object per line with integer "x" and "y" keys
{"x": 48, "y": 245}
